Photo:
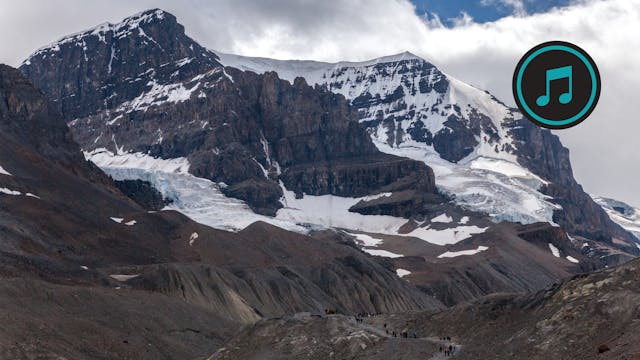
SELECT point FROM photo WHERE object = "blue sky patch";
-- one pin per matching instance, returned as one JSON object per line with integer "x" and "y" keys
{"x": 480, "y": 10}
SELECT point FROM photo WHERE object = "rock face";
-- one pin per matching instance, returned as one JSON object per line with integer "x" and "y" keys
{"x": 245, "y": 130}
{"x": 30, "y": 122}
{"x": 143, "y": 193}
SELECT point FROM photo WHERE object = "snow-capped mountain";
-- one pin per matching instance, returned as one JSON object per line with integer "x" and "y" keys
{"x": 391, "y": 153}
{"x": 482, "y": 152}
{"x": 622, "y": 213}
{"x": 412, "y": 109}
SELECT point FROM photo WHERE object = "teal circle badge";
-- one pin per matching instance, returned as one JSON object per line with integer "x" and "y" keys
{"x": 556, "y": 85}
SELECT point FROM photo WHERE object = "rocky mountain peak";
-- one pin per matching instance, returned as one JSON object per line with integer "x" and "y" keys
{"x": 114, "y": 63}
{"x": 138, "y": 23}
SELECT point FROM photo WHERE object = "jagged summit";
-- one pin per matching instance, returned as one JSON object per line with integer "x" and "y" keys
{"x": 114, "y": 63}
{"x": 120, "y": 29}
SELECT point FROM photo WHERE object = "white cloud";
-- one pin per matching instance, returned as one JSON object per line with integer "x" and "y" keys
{"x": 603, "y": 147}
{"x": 517, "y": 6}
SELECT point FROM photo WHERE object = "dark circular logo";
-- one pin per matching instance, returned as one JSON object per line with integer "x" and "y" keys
{"x": 556, "y": 85}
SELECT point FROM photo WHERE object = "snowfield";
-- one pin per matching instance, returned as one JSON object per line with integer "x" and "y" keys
{"x": 203, "y": 201}
{"x": 333, "y": 211}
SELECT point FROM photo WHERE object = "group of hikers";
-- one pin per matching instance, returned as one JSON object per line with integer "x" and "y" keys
{"x": 361, "y": 315}
{"x": 403, "y": 334}
{"x": 449, "y": 350}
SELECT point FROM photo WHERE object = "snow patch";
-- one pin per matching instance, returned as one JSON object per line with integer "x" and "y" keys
{"x": 6, "y": 191}
{"x": 382, "y": 253}
{"x": 117, "y": 219}
{"x": 402, "y": 272}
{"x": 572, "y": 259}
{"x": 367, "y": 240}
{"x": 193, "y": 238}
{"x": 446, "y": 236}
{"x": 554, "y": 250}
{"x": 442, "y": 218}
{"x": 123, "y": 277}
{"x": 451, "y": 254}
{"x": 4, "y": 172}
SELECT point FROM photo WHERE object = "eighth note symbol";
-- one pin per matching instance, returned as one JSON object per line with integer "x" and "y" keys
{"x": 557, "y": 74}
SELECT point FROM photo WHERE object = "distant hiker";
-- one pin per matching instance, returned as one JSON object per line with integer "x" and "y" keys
{"x": 414, "y": 335}
{"x": 385, "y": 325}
{"x": 440, "y": 348}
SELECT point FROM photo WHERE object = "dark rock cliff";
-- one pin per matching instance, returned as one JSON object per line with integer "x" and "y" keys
{"x": 543, "y": 153}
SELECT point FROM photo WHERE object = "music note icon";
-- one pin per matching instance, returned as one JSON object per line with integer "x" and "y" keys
{"x": 557, "y": 74}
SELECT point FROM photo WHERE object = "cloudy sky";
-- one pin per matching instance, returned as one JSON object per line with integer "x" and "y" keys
{"x": 478, "y": 42}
